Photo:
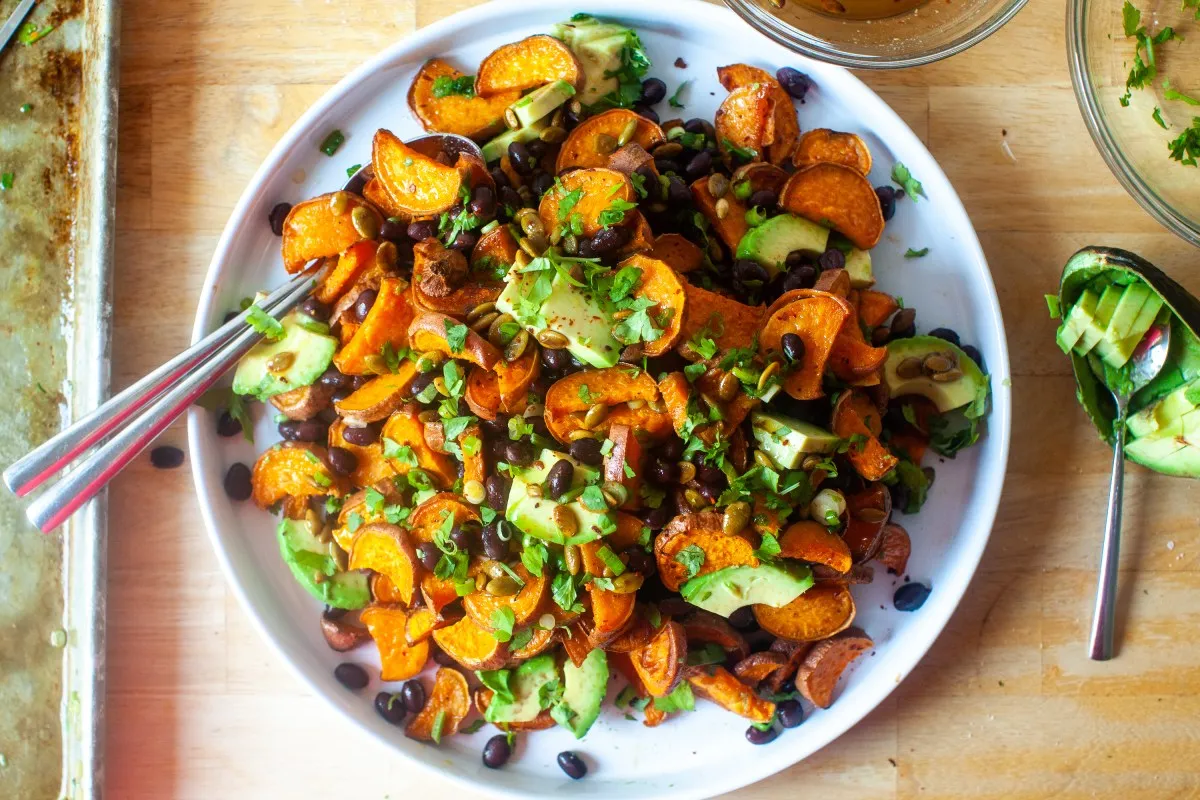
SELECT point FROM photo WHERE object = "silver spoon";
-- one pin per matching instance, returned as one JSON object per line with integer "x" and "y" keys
{"x": 1147, "y": 361}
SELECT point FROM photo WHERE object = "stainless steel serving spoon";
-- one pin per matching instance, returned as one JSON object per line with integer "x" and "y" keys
{"x": 1147, "y": 361}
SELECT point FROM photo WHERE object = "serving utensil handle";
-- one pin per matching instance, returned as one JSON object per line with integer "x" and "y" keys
{"x": 1100, "y": 646}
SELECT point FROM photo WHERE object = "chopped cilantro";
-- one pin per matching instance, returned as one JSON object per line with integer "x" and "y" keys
{"x": 394, "y": 451}
{"x": 903, "y": 178}
{"x": 1185, "y": 148}
{"x": 768, "y": 548}
{"x": 1157, "y": 116}
{"x": 615, "y": 213}
{"x": 353, "y": 168}
{"x": 635, "y": 63}
{"x": 562, "y": 589}
{"x": 910, "y": 253}
{"x": 692, "y": 559}
{"x": 264, "y": 323}
{"x": 675, "y": 100}
{"x": 1171, "y": 94}
{"x": 445, "y": 86}
{"x": 456, "y": 335}
{"x": 502, "y": 621}
{"x": 744, "y": 153}
{"x": 585, "y": 395}
{"x": 681, "y": 699}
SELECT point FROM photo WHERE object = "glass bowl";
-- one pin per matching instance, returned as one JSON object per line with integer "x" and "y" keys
{"x": 929, "y": 32}
{"x": 1132, "y": 143}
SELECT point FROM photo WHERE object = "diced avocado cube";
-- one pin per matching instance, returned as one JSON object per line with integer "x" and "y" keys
{"x": 542, "y": 101}
{"x": 307, "y": 557}
{"x": 495, "y": 148}
{"x": 1123, "y": 349}
{"x": 858, "y": 265}
{"x": 584, "y": 688}
{"x": 1121, "y": 324}
{"x": 1174, "y": 449}
{"x": 311, "y": 348}
{"x": 1164, "y": 411}
{"x": 568, "y": 309}
{"x": 535, "y": 515}
{"x": 770, "y": 243}
{"x": 598, "y": 46}
{"x": 1076, "y": 321}
{"x": 787, "y": 440}
{"x": 1099, "y": 322}
{"x": 726, "y": 590}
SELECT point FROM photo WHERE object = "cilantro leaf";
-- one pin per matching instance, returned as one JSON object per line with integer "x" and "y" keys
{"x": 499, "y": 681}
{"x": 675, "y": 100}
{"x": 615, "y": 213}
{"x": 638, "y": 326}
{"x": 624, "y": 282}
{"x": 264, "y": 323}
{"x": 903, "y": 178}
{"x": 768, "y": 548}
{"x": 503, "y": 619}
{"x": 445, "y": 86}
{"x": 681, "y": 699}
{"x": 744, "y": 153}
{"x": 1131, "y": 18}
{"x": 394, "y": 451}
{"x": 1185, "y": 148}
{"x": 910, "y": 253}
{"x": 692, "y": 559}
{"x": 562, "y": 589}
{"x": 456, "y": 335}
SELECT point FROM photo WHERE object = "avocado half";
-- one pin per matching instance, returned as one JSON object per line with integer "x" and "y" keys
{"x": 1098, "y": 264}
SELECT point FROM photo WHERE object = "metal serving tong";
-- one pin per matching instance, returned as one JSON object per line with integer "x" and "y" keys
{"x": 136, "y": 416}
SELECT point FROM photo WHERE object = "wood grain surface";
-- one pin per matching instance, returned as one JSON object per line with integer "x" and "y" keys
{"x": 1006, "y": 705}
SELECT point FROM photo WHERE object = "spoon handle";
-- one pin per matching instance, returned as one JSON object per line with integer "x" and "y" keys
{"x": 1100, "y": 647}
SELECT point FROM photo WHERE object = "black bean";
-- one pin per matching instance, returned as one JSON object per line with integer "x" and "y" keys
{"x": 362, "y": 437}
{"x": 352, "y": 676}
{"x": 700, "y": 165}
{"x": 585, "y": 249}
{"x": 764, "y": 198}
{"x": 665, "y": 165}
{"x": 518, "y": 453}
{"x": 946, "y": 333}
{"x": 832, "y": 259}
{"x": 393, "y": 231}
{"x": 759, "y": 640}
{"x": 494, "y": 546}
{"x": 499, "y": 178}
{"x": 314, "y": 308}
{"x": 572, "y": 764}
{"x": 510, "y": 198}
{"x": 794, "y": 82}
{"x": 911, "y": 596}
{"x": 607, "y": 240}
{"x": 465, "y": 241}
{"x": 657, "y": 518}
{"x": 904, "y": 323}
{"x": 463, "y": 539}
{"x": 555, "y": 360}
{"x": 664, "y": 472}
{"x": 586, "y": 451}
{"x": 413, "y": 695}
{"x": 342, "y": 461}
{"x": 800, "y": 277}
{"x": 695, "y": 125}
{"x": 229, "y": 316}
{"x": 359, "y": 381}
{"x": 228, "y": 426}
{"x": 790, "y": 713}
{"x": 483, "y": 202}
{"x": 521, "y": 159}
{"x": 429, "y": 555}
{"x": 710, "y": 476}
{"x": 362, "y": 306}
{"x": 166, "y": 457}
{"x": 647, "y": 113}
{"x": 334, "y": 379}
{"x": 422, "y": 229}
{"x": 743, "y": 619}
{"x": 756, "y": 736}
{"x": 542, "y": 182}
{"x": 558, "y": 480}
{"x": 302, "y": 430}
{"x": 277, "y": 216}
{"x": 390, "y": 707}
{"x": 678, "y": 193}
{"x": 497, "y": 491}
{"x": 745, "y": 270}
{"x": 793, "y": 347}
{"x": 422, "y": 381}
{"x": 638, "y": 560}
{"x": 497, "y": 751}
{"x": 442, "y": 659}
{"x": 671, "y": 449}
{"x": 653, "y": 91}
{"x": 899, "y": 493}
{"x": 887, "y": 201}
{"x": 973, "y": 354}
{"x": 237, "y": 482}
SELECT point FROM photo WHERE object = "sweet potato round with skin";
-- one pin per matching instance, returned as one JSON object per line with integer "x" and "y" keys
{"x": 505, "y": 389}
{"x": 702, "y": 529}
{"x": 826, "y": 661}
{"x": 852, "y": 358}
{"x": 428, "y": 517}
{"x": 437, "y": 593}
{"x": 498, "y": 247}
{"x": 576, "y": 642}
{"x": 612, "y": 613}
{"x": 756, "y": 668}
{"x": 580, "y": 150}
{"x": 293, "y": 469}
{"x": 482, "y": 393}
{"x": 867, "y": 515}
{"x": 834, "y": 281}
{"x": 539, "y": 641}
{"x": 705, "y": 627}
{"x": 471, "y": 645}
{"x": 483, "y": 699}
{"x": 355, "y": 512}
{"x": 635, "y": 636}
{"x": 379, "y": 397}
{"x": 875, "y": 308}
{"x": 428, "y": 333}
{"x": 421, "y": 624}
{"x": 745, "y": 121}
{"x": 404, "y": 428}
{"x": 794, "y": 652}
{"x": 600, "y": 186}
{"x": 825, "y": 146}
{"x": 305, "y": 402}
{"x": 661, "y": 285}
{"x": 817, "y": 320}
{"x": 728, "y": 322}
{"x": 761, "y": 176}
{"x": 811, "y": 541}
{"x": 613, "y": 387}
{"x": 525, "y": 604}
{"x": 385, "y": 548}
{"x": 624, "y": 462}
{"x": 641, "y": 235}
{"x": 475, "y": 117}
{"x": 630, "y": 158}
{"x": 677, "y": 252}
{"x": 371, "y": 467}
{"x": 895, "y": 548}
{"x": 532, "y": 62}
{"x": 856, "y": 418}
{"x": 416, "y": 183}
{"x": 386, "y": 323}
{"x": 476, "y": 287}
{"x": 819, "y": 613}
{"x": 355, "y": 262}
{"x": 311, "y": 230}
{"x": 378, "y": 196}
{"x": 784, "y": 127}
{"x": 660, "y": 663}
{"x": 720, "y": 685}
{"x": 384, "y": 592}
{"x": 733, "y": 226}
{"x": 399, "y": 660}
{"x": 450, "y": 700}
{"x": 839, "y": 196}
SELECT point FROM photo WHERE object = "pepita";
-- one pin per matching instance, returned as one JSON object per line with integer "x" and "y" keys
{"x": 636, "y": 404}
{"x": 595, "y": 415}
{"x": 555, "y": 236}
{"x": 516, "y": 348}
{"x": 573, "y": 559}
{"x": 534, "y": 245}
{"x": 553, "y": 134}
{"x": 365, "y": 221}
{"x": 627, "y": 133}
{"x": 511, "y": 119}
{"x": 503, "y": 586}
{"x": 718, "y": 185}
{"x": 479, "y": 310}
{"x": 627, "y": 582}
{"x": 565, "y": 520}
{"x": 694, "y": 499}
{"x": 428, "y": 362}
{"x": 624, "y": 313}
{"x": 570, "y": 244}
{"x": 722, "y": 208}
{"x": 495, "y": 330}
{"x": 581, "y": 433}
{"x": 615, "y": 493}
{"x": 810, "y": 462}
{"x": 909, "y": 368}
{"x": 340, "y": 556}
{"x": 533, "y": 411}
{"x": 474, "y": 492}
{"x": 480, "y": 581}
{"x": 947, "y": 376}
{"x": 533, "y": 490}
{"x": 687, "y": 472}
{"x": 737, "y": 516}
{"x": 318, "y": 576}
{"x": 439, "y": 383}
{"x": 429, "y": 415}
{"x": 387, "y": 256}
{"x": 552, "y": 340}
{"x": 339, "y": 203}
{"x": 667, "y": 150}
{"x": 481, "y": 324}
{"x": 281, "y": 361}
{"x": 656, "y": 406}
{"x": 493, "y": 568}
{"x": 710, "y": 401}
{"x": 938, "y": 362}
{"x": 531, "y": 223}
{"x": 728, "y": 387}
{"x": 605, "y": 144}
{"x": 576, "y": 107}
{"x": 521, "y": 259}
{"x": 769, "y": 372}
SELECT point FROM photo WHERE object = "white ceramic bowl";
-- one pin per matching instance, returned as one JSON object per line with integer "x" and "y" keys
{"x": 705, "y": 752}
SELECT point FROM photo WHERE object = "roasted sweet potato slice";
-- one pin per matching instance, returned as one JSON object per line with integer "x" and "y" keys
{"x": 824, "y": 146}
{"x": 581, "y": 151}
{"x": 475, "y": 117}
{"x": 641, "y": 235}
{"x": 399, "y": 660}
{"x": 483, "y": 393}
{"x": 428, "y": 517}
{"x": 677, "y": 252}
{"x": 611, "y": 613}
{"x": 312, "y": 230}
{"x": 471, "y": 645}
{"x": 735, "y": 76}
{"x": 438, "y": 593}
{"x": 630, "y": 158}
{"x": 483, "y": 699}
{"x": 357, "y": 512}
{"x": 528, "y": 64}
{"x": 385, "y": 548}
{"x": 404, "y": 430}
{"x": 703, "y": 530}
{"x": 624, "y": 462}
{"x": 661, "y": 285}
{"x": 515, "y": 379}
{"x": 794, "y": 652}
{"x": 856, "y": 418}
{"x": 852, "y": 358}
{"x": 525, "y": 604}
{"x": 838, "y": 196}
{"x": 305, "y": 402}
{"x": 745, "y": 123}
{"x": 834, "y": 281}
{"x": 416, "y": 183}
{"x": 421, "y": 624}
{"x": 352, "y": 265}
{"x": 636, "y": 635}
{"x": 379, "y": 397}
{"x": 784, "y": 125}
{"x": 816, "y": 319}
{"x": 600, "y": 187}
{"x": 660, "y": 663}
{"x": 875, "y": 308}
{"x": 371, "y": 466}
{"x": 819, "y": 613}
{"x": 811, "y": 541}
{"x": 868, "y": 512}
{"x": 728, "y": 322}
{"x": 384, "y": 592}
{"x": 386, "y": 323}
{"x": 895, "y": 549}
{"x": 731, "y": 227}
{"x": 614, "y": 387}
{"x": 826, "y": 661}
{"x": 539, "y": 641}
{"x": 721, "y": 686}
{"x": 436, "y": 289}
{"x": 444, "y": 711}
{"x": 495, "y": 251}
{"x": 704, "y": 627}
{"x": 431, "y": 332}
{"x": 378, "y": 196}
{"x": 293, "y": 469}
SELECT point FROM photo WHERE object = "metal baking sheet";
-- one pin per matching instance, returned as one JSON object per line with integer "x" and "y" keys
{"x": 57, "y": 142}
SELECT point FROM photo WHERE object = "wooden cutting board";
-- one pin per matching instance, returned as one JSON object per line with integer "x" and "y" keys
{"x": 1006, "y": 705}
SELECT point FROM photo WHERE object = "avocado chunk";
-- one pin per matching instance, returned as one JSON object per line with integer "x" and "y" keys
{"x": 584, "y": 688}
{"x": 1105, "y": 307}
{"x": 1076, "y": 321}
{"x": 726, "y": 590}
{"x": 1164, "y": 411}
{"x": 858, "y": 265}
{"x": 970, "y": 387}
{"x": 1173, "y": 449}
{"x": 567, "y": 309}
{"x": 770, "y": 243}
{"x": 535, "y": 516}
{"x": 787, "y": 440}
{"x": 495, "y": 148}
{"x": 1122, "y": 350}
{"x": 304, "y": 554}
{"x": 311, "y": 349}
{"x": 520, "y": 695}
{"x": 542, "y": 101}
{"x": 1120, "y": 326}
{"x": 598, "y": 46}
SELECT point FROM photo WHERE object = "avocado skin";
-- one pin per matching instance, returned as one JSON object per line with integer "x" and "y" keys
{"x": 1092, "y": 263}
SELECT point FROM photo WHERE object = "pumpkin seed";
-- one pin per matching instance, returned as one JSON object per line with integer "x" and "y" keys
{"x": 770, "y": 371}
{"x": 687, "y": 472}
{"x": 737, "y": 516}
{"x": 502, "y": 586}
{"x": 479, "y": 310}
{"x": 553, "y": 134}
{"x": 339, "y": 556}
{"x": 605, "y": 144}
{"x": 428, "y": 362}
{"x": 615, "y": 493}
{"x": 627, "y": 133}
{"x": 511, "y": 119}
{"x": 565, "y": 520}
{"x": 439, "y": 383}
{"x": 387, "y": 256}
{"x": 718, "y": 185}
{"x": 552, "y": 340}
{"x": 627, "y": 582}
{"x": 729, "y": 386}
{"x": 429, "y": 415}
{"x": 555, "y": 236}
{"x": 710, "y": 401}
{"x": 570, "y": 244}
{"x": 527, "y": 198}
{"x": 480, "y": 581}
{"x": 474, "y": 492}
{"x": 576, "y": 107}
{"x": 595, "y": 415}
{"x": 281, "y": 361}
{"x": 481, "y": 324}
{"x": 909, "y": 368}
{"x": 516, "y": 348}
{"x": 531, "y": 223}
{"x": 937, "y": 362}
{"x": 495, "y": 330}
{"x": 365, "y": 221}
{"x": 810, "y": 462}
{"x": 667, "y": 150}
{"x": 534, "y": 245}
{"x": 636, "y": 404}
{"x": 556, "y": 119}
{"x": 947, "y": 376}
{"x": 722, "y": 208}
{"x": 694, "y": 499}
{"x": 533, "y": 411}
{"x": 656, "y": 406}
{"x": 581, "y": 433}
{"x": 521, "y": 259}
{"x": 573, "y": 559}
{"x": 339, "y": 203}
{"x": 533, "y": 490}
{"x": 492, "y": 568}
{"x": 624, "y": 313}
